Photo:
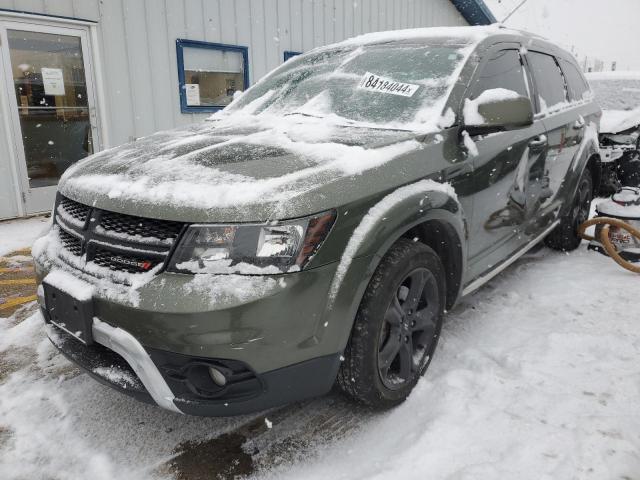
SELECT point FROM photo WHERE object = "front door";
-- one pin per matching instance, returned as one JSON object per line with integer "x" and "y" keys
{"x": 47, "y": 82}
{"x": 502, "y": 167}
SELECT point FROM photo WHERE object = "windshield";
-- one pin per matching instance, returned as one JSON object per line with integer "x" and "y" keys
{"x": 381, "y": 84}
{"x": 617, "y": 94}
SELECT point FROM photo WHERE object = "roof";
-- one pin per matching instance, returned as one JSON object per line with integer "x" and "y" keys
{"x": 475, "y": 12}
{"x": 451, "y": 35}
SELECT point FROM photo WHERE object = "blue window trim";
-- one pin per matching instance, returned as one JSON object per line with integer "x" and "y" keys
{"x": 290, "y": 53}
{"x": 180, "y": 44}
{"x": 475, "y": 12}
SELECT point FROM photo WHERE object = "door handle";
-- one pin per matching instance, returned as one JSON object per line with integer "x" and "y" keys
{"x": 538, "y": 143}
{"x": 456, "y": 171}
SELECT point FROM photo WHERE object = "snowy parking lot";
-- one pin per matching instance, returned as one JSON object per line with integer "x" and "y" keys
{"x": 536, "y": 377}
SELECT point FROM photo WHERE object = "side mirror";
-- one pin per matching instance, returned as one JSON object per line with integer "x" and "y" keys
{"x": 498, "y": 109}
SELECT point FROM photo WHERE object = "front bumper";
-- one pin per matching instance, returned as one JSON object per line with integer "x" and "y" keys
{"x": 117, "y": 359}
{"x": 279, "y": 340}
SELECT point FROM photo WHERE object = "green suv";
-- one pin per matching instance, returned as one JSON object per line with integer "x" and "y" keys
{"x": 315, "y": 231}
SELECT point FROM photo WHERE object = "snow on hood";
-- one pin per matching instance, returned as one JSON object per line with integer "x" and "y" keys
{"x": 233, "y": 162}
{"x": 616, "y": 121}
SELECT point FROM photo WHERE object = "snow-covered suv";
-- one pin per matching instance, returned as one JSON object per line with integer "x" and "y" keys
{"x": 316, "y": 229}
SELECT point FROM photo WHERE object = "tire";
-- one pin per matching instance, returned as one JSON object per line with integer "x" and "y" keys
{"x": 565, "y": 236}
{"x": 391, "y": 318}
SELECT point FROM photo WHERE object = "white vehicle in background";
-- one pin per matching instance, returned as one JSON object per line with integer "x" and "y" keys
{"x": 618, "y": 94}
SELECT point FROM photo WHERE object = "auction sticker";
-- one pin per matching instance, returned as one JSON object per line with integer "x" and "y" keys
{"x": 376, "y": 83}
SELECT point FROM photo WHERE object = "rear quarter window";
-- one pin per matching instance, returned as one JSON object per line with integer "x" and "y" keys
{"x": 548, "y": 78}
{"x": 578, "y": 86}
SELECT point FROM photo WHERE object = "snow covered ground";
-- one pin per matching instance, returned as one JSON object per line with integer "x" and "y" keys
{"x": 17, "y": 234}
{"x": 536, "y": 377}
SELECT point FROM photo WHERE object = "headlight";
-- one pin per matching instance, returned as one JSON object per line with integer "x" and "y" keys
{"x": 251, "y": 248}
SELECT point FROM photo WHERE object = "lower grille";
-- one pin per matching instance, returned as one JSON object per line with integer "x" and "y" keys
{"x": 102, "y": 363}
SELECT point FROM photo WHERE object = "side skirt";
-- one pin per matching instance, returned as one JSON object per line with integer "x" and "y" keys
{"x": 477, "y": 283}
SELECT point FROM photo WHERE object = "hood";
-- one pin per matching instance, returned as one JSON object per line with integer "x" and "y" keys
{"x": 616, "y": 121}
{"x": 248, "y": 169}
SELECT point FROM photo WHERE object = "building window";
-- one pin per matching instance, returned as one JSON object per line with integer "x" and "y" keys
{"x": 288, "y": 54}
{"x": 209, "y": 74}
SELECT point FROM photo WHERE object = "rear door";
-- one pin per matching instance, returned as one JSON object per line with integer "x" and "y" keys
{"x": 501, "y": 167}
{"x": 564, "y": 130}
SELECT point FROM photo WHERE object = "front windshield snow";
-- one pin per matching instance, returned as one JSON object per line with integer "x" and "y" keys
{"x": 617, "y": 94}
{"x": 380, "y": 84}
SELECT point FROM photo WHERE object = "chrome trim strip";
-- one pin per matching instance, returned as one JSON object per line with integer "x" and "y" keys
{"x": 485, "y": 278}
{"x": 130, "y": 349}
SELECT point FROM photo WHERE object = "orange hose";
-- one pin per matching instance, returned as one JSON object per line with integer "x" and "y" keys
{"x": 606, "y": 242}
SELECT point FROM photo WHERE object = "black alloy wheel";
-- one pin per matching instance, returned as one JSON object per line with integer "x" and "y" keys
{"x": 397, "y": 327}
{"x": 408, "y": 334}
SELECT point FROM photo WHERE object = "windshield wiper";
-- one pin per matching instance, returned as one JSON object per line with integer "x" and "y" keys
{"x": 303, "y": 114}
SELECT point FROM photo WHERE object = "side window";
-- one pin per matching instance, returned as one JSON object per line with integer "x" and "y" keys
{"x": 503, "y": 70}
{"x": 578, "y": 86}
{"x": 548, "y": 78}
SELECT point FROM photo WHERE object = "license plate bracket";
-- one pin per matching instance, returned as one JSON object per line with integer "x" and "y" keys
{"x": 68, "y": 313}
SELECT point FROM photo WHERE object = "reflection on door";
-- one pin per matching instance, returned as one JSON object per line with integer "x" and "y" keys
{"x": 51, "y": 94}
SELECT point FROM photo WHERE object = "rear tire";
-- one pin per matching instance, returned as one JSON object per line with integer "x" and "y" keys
{"x": 397, "y": 326}
{"x": 565, "y": 236}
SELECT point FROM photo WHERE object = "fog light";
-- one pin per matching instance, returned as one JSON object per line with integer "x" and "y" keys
{"x": 217, "y": 376}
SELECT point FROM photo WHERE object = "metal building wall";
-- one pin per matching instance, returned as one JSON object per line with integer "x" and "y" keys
{"x": 137, "y": 42}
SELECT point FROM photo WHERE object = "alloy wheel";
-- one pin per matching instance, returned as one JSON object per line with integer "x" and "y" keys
{"x": 409, "y": 335}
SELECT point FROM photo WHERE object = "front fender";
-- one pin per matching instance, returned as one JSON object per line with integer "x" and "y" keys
{"x": 378, "y": 230}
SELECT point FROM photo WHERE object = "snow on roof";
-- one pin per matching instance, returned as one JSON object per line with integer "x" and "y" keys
{"x": 466, "y": 35}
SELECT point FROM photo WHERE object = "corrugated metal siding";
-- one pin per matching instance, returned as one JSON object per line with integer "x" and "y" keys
{"x": 137, "y": 41}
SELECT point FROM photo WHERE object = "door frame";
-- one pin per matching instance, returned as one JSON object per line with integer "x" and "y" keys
{"x": 87, "y": 32}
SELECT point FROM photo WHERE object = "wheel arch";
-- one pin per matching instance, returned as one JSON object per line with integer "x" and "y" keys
{"x": 443, "y": 230}
{"x": 439, "y": 223}
{"x": 443, "y": 238}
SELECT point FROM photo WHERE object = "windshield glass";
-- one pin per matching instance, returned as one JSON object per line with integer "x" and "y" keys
{"x": 381, "y": 84}
{"x": 617, "y": 94}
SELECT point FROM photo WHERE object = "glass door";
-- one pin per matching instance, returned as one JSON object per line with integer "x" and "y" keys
{"x": 50, "y": 95}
